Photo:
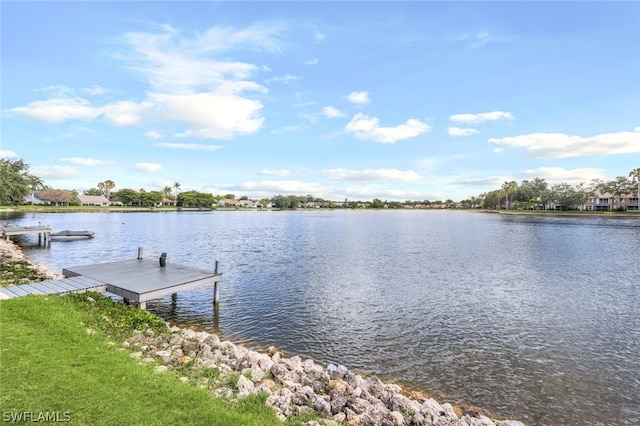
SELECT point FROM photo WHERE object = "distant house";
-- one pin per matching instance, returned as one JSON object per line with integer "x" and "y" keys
{"x": 33, "y": 199}
{"x": 228, "y": 202}
{"x": 606, "y": 201}
{"x": 246, "y": 203}
{"x": 93, "y": 200}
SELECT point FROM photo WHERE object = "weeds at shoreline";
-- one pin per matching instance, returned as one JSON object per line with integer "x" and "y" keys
{"x": 16, "y": 272}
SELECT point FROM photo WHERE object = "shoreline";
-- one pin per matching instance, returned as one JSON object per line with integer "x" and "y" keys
{"x": 295, "y": 387}
{"x": 539, "y": 213}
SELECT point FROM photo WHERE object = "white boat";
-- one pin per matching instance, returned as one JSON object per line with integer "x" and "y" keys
{"x": 72, "y": 235}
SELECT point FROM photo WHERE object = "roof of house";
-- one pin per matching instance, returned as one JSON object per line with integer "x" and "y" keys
{"x": 93, "y": 199}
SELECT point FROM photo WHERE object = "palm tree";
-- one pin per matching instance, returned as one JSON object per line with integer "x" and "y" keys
{"x": 108, "y": 186}
{"x": 635, "y": 177}
{"x": 508, "y": 187}
{"x": 176, "y": 186}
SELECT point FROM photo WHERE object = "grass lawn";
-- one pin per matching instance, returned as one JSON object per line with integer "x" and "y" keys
{"x": 52, "y": 361}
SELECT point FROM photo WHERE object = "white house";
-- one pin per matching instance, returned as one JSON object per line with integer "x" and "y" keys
{"x": 93, "y": 200}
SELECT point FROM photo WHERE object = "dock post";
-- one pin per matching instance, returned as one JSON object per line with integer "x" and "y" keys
{"x": 216, "y": 295}
{"x": 139, "y": 252}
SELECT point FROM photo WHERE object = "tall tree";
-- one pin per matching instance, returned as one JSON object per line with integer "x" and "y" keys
{"x": 567, "y": 196}
{"x": 35, "y": 184}
{"x": 92, "y": 191}
{"x": 128, "y": 196}
{"x": 56, "y": 196}
{"x": 176, "y": 186}
{"x": 635, "y": 178}
{"x": 108, "y": 186}
{"x": 618, "y": 188}
{"x": 15, "y": 181}
{"x": 508, "y": 188}
{"x": 166, "y": 191}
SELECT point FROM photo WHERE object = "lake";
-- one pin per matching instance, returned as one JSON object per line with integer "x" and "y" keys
{"x": 532, "y": 318}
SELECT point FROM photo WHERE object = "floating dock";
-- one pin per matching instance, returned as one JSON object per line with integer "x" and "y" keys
{"x": 135, "y": 280}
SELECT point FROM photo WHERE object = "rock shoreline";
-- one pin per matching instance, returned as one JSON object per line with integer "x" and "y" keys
{"x": 294, "y": 387}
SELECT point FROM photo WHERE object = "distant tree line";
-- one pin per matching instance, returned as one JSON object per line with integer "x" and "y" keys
{"x": 536, "y": 193}
{"x": 16, "y": 182}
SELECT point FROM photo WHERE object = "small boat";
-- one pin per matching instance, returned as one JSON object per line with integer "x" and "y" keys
{"x": 72, "y": 235}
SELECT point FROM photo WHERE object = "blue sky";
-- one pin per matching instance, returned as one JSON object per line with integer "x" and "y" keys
{"x": 356, "y": 100}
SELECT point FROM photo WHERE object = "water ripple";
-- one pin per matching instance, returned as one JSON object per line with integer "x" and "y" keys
{"x": 535, "y": 318}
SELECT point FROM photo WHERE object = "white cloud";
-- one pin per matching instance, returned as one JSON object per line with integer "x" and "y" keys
{"x": 96, "y": 90}
{"x": 311, "y": 62}
{"x": 152, "y": 134}
{"x": 637, "y": 129}
{"x": 281, "y": 172}
{"x": 368, "y": 175}
{"x": 361, "y": 98}
{"x": 189, "y": 146}
{"x": 220, "y": 114}
{"x": 126, "y": 113}
{"x": 558, "y": 145}
{"x": 79, "y": 161}
{"x": 481, "y": 117}
{"x": 55, "y": 172}
{"x": 56, "y": 91}
{"x": 59, "y": 109}
{"x": 368, "y": 128}
{"x": 172, "y": 63}
{"x": 7, "y": 154}
{"x": 556, "y": 175}
{"x": 457, "y": 131}
{"x": 285, "y": 79}
{"x": 331, "y": 112}
{"x": 147, "y": 167}
{"x": 318, "y": 36}
{"x": 498, "y": 150}
{"x": 191, "y": 84}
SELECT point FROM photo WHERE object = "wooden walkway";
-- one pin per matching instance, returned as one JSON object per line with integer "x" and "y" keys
{"x": 64, "y": 286}
{"x": 135, "y": 280}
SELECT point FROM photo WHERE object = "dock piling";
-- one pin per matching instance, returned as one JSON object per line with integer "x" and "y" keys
{"x": 216, "y": 295}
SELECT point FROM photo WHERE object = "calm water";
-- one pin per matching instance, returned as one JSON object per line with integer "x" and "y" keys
{"x": 536, "y": 319}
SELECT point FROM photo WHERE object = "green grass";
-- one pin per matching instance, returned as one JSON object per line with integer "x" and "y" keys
{"x": 49, "y": 362}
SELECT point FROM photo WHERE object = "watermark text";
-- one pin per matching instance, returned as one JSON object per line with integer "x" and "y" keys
{"x": 36, "y": 416}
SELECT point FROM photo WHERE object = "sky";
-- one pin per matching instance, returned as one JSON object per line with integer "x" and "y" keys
{"x": 337, "y": 99}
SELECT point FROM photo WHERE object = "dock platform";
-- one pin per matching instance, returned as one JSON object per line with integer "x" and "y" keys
{"x": 42, "y": 231}
{"x": 135, "y": 280}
